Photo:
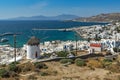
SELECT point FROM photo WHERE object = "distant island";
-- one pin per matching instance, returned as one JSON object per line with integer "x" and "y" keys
{"x": 109, "y": 17}
{"x": 41, "y": 17}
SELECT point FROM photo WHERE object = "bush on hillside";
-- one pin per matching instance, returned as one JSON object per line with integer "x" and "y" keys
{"x": 3, "y": 65}
{"x": 63, "y": 61}
{"x": 13, "y": 74}
{"x": 4, "y": 73}
{"x": 62, "y": 54}
{"x": 43, "y": 74}
{"x": 32, "y": 77}
{"x": 80, "y": 62}
{"x": 27, "y": 67}
{"x": 114, "y": 68}
{"x": 106, "y": 62}
{"x": 40, "y": 65}
{"x": 47, "y": 55}
{"x": 116, "y": 49}
{"x": 13, "y": 67}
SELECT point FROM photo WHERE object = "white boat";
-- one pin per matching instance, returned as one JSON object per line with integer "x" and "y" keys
{"x": 4, "y": 40}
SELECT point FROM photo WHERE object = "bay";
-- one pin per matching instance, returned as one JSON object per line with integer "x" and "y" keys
{"x": 25, "y": 27}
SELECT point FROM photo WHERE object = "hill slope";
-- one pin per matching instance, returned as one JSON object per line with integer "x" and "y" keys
{"x": 110, "y": 17}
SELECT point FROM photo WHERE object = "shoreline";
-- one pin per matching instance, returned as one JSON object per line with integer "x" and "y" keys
{"x": 80, "y": 30}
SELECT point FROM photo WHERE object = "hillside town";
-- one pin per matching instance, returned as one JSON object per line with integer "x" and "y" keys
{"x": 100, "y": 41}
{"x": 59, "y": 39}
{"x": 98, "y": 38}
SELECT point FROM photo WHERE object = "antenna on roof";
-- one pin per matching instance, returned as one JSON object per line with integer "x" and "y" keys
{"x": 15, "y": 47}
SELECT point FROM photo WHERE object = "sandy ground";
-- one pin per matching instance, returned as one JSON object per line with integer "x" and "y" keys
{"x": 73, "y": 72}
{"x": 57, "y": 71}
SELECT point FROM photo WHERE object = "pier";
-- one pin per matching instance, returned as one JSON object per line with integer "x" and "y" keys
{"x": 69, "y": 29}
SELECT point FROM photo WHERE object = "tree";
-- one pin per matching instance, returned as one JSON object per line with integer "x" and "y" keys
{"x": 97, "y": 38}
{"x": 117, "y": 29}
{"x": 88, "y": 39}
{"x": 116, "y": 49}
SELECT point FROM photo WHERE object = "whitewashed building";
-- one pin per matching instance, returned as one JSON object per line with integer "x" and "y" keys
{"x": 95, "y": 47}
{"x": 33, "y": 49}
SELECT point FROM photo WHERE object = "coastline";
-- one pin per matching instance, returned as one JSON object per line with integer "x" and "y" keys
{"x": 46, "y": 35}
{"x": 79, "y": 30}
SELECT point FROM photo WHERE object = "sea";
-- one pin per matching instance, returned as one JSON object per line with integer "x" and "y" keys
{"x": 26, "y": 30}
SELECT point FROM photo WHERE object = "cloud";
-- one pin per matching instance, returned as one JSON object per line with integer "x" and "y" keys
{"x": 39, "y": 5}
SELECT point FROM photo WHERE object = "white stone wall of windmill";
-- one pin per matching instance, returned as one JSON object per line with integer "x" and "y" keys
{"x": 33, "y": 48}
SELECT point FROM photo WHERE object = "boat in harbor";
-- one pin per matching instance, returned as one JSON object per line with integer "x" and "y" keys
{"x": 6, "y": 34}
{"x": 4, "y": 40}
{"x": 9, "y": 34}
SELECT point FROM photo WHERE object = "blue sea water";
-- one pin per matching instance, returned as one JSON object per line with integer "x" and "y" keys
{"x": 25, "y": 27}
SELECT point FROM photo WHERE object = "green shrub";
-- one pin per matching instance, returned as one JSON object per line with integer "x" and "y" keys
{"x": 63, "y": 61}
{"x": 117, "y": 29}
{"x": 32, "y": 77}
{"x": 106, "y": 62}
{"x": 13, "y": 74}
{"x": 116, "y": 49}
{"x": 3, "y": 65}
{"x": 62, "y": 54}
{"x": 88, "y": 39}
{"x": 26, "y": 68}
{"x": 80, "y": 62}
{"x": 55, "y": 72}
{"x": 14, "y": 68}
{"x": 47, "y": 55}
{"x": 43, "y": 74}
{"x": 40, "y": 65}
{"x": 4, "y": 73}
{"x": 14, "y": 63}
{"x": 45, "y": 67}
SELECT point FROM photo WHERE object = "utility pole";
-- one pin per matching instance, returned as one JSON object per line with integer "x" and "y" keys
{"x": 15, "y": 47}
{"x": 76, "y": 43}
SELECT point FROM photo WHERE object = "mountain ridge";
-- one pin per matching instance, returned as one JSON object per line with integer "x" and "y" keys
{"x": 109, "y": 17}
{"x": 41, "y": 17}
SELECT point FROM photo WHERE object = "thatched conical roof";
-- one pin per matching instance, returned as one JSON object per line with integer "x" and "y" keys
{"x": 33, "y": 41}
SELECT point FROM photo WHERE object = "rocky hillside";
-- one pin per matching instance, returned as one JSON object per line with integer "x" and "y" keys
{"x": 110, "y": 17}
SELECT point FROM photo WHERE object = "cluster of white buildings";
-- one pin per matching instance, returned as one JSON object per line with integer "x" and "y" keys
{"x": 110, "y": 39}
{"x": 35, "y": 50}
{"x": 100, "y": 31}
{"x": 108, "y": 34}
{"x": 7, "y": 54}
{"x": 104, "y": 44}
{"x": 49, "y": 47}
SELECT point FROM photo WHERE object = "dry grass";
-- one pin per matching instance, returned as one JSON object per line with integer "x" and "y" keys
{"x": 57, "y": 71}
{"x": 94, "y": 63}
{"x": 72, "y": 72}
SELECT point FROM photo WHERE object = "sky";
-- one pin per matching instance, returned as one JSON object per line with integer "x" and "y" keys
{"x": 82, "y": 8}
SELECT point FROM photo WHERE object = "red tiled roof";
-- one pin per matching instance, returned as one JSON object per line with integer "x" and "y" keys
{"x": 95, "y": 45}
